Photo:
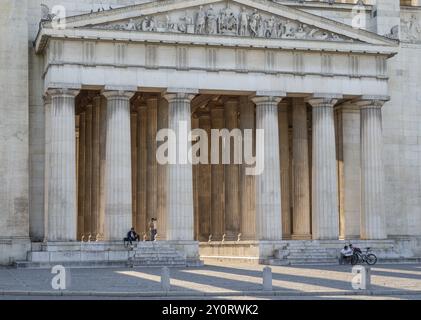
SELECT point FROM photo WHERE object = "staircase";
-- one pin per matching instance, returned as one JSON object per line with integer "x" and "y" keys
{"x": 152, "y": 254}
{"x": 87, "y": 255}
{"x": 323, "y": 252}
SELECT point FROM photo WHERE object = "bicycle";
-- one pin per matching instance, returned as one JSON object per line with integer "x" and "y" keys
{"x": 367, "y": 257}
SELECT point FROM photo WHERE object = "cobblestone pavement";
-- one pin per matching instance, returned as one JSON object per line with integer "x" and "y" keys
{"x": 216, "y": 280}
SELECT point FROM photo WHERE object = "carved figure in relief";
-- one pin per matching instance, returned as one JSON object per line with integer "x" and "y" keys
{"x": 254, "y": 23}
{"x": 244, "y": 22}
{"x": 212, "y": 21}
{"x": 270, "y": 29}
{"x": 201, "y": 21}
{"x": 301, "y": 33}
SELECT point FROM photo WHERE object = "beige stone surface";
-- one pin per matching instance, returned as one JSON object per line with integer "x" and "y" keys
{"x": 350, "y": 72}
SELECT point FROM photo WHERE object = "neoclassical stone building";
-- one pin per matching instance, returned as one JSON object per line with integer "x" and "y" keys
{"x": 334, "y": 86}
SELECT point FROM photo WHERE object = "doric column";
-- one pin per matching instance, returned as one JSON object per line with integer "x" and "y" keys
{"x": 285, "y": 168}
{"x": 247, "y": 182}
{"x": 118, "y": 207}
{"x": 301, "y": 179}
{"x": 373, "y": 224}
{"x": 268, "y": 183}
{"x": 62, "y": 216}
{"x": 180, "y": 216}
{"x": 325, "y": 212}
{"x": 217, "y": 184}
{"x": 232, "y": 175}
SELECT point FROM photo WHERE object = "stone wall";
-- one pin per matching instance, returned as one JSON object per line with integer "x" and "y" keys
{"x": 14, "y": 175}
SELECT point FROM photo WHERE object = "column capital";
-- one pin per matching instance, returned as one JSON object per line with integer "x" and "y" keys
{"x": 173, "y": 96}
{"x": 371, "y": 102}
{"x": 323, "y": 99}
{"x": 112, "y": 94}
{"x": 46, "y": 98}
{"x": 266, "y": 99}
{"x": 62, "y": 92}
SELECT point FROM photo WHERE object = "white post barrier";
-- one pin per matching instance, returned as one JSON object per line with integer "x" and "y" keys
{"x": 165, "y": 279}
{"x": 362, "y": 278}
{"x": 267, "y": 279}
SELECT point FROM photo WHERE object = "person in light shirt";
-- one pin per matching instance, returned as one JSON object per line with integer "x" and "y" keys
{"x": 346, "y": 254}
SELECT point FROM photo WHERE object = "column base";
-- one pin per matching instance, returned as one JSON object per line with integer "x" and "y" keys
{"x": 13, "y": 249}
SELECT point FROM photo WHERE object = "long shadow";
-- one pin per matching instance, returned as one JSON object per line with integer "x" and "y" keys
{"x": 215, "y": 281}
{"x": 324, "y": 282}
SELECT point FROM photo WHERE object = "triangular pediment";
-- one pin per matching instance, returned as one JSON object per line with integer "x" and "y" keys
{"x": 241, "y": 18}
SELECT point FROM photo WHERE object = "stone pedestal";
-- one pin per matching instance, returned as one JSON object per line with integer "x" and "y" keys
{"x": 268, "y": 184}
{"x": 325, "y": 179}
{"x": 61, "y": 175}
{"x": 118, "y": 207}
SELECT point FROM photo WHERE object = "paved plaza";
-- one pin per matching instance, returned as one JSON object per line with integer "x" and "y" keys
{"x": 237, "y": 281}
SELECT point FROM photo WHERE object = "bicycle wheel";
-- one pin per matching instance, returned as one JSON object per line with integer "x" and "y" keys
{"x": 354, "y": 259}
{"x": 371, "y": 259}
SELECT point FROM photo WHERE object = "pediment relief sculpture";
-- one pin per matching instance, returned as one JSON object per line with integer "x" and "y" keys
{"x": 230, "y": 20}
{"x": 411, "y": 29}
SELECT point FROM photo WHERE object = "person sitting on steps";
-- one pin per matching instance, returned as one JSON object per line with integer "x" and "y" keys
{"x": 131, "y": 236}
{"x": 346, "y": 254}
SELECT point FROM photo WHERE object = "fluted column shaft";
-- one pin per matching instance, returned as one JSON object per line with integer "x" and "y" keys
{"x": 325, "y": 212}
{"x": 118, "y": 207}
{"x": 180, "y": 215}
{"x": 268, "y": 184}
{"x": 285, "y": 169}
{"x": 62, "y": 215}
{"x": 217, "y": 184}
{"x": 232, "y": 175}
{"x": 373, "y": 224}
{"x": 301, "y": 179}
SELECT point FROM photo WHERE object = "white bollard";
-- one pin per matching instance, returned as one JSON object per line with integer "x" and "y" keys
{"x": 267, "y": 279}
{"x": 165, "y": 279}
{"x": 362, "y": 278}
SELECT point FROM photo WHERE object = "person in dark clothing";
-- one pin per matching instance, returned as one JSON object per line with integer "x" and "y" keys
{"x": 131, "y": 236}
{"x": 153, "y": 229}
